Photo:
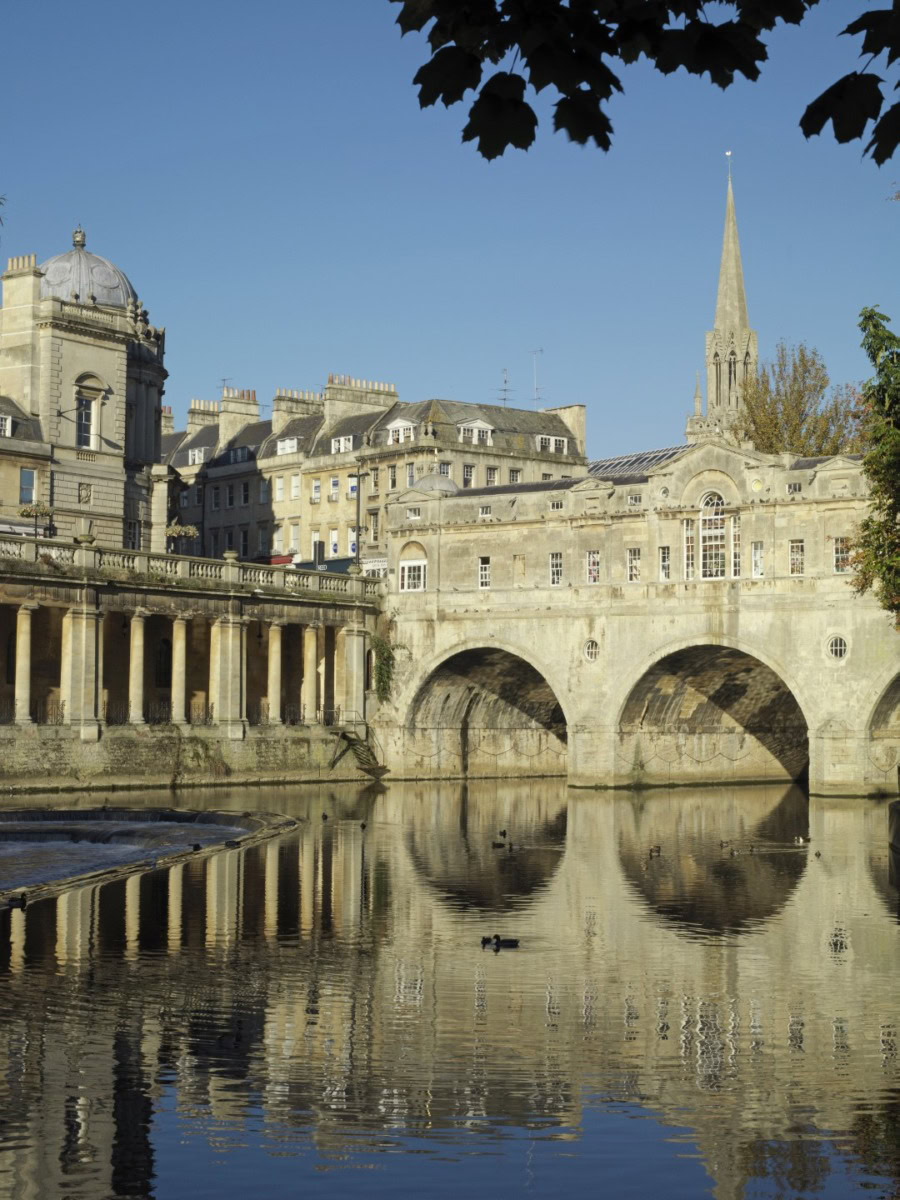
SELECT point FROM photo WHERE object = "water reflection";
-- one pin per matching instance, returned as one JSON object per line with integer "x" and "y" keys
{"x": 324, "y": 998}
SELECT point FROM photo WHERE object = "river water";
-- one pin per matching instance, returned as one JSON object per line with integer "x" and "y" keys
{"x": 317, "y": 1016}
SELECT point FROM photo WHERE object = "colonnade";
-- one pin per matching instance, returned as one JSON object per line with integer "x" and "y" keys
{"x": 325, "y": 683}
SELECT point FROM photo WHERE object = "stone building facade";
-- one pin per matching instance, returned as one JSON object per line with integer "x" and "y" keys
{"x": 81, "y": 384}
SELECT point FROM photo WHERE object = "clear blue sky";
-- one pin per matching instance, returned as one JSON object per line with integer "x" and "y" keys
{"x": 264, "y": 175}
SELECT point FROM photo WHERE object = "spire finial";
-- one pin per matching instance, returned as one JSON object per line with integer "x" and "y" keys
{"x": 78, "y": 238}
{"x": 728, "y": 156}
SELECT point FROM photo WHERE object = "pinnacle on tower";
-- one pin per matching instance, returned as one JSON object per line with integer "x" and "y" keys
{"x": 731, "y": 301}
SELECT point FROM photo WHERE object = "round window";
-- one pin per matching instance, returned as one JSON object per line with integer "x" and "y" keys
{"x": 837, "y": 647}
{"x": 591, "y": 650}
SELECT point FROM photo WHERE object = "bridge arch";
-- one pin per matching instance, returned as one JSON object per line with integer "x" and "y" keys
{"x": 488, "y": 709}
{"x": 710, "y": 710}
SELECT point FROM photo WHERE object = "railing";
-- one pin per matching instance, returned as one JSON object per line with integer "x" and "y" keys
{"x": 53, "y": 553}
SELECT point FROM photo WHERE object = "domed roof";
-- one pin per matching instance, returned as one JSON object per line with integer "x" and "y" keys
{"x": 86, "y": 277}
{"x": 436, "y": 483}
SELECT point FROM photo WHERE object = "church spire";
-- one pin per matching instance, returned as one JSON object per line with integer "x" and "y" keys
{"x": 731, "y": 301}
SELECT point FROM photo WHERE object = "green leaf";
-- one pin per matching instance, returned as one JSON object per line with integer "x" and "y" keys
{"x": 849, "y": 104}
{"x": 447, "y": 76}
{"x": 500, "y": 117}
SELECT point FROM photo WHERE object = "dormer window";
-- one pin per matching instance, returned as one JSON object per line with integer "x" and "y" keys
{"x": 5, "y": 426}
{"x": 559, "y": 445}
{"x": 196, "y": 456}
{"x": 544, "y": 444}
{"x": 633, "y": 499}
{"x": 340, "y": 444}
{"x": 399, "y": 433}
{"x": 286, "y": 445}
{"x": 794, "y": 488}
{"x": 238, "y": 454}
{"x": 478, "y": 433}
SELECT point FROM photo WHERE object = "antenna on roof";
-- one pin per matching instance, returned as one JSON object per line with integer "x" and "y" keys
{"x": 505, "y": 389}
{"x": 225, "y": 379}
{"x": 537, "y": 390}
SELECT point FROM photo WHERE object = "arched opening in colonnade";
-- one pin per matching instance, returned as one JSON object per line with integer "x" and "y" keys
{"x": 710, "y": 713}
{"x": 486, "y": 711}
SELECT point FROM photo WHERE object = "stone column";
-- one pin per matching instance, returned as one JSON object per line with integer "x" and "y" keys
{"x": 213, "y": 692}
{"x": 179, "y": 670}
{"x": 136, "y": 669}
{"x": 230, "y": 675}
{"x": 65, "y": 666}
{"x": 274, "y": 683}
{"x": 23, "y": 664}
{"x": 83, "y": 683}
{"x": 354, "y": 698}
{"x": 310, "y": 691}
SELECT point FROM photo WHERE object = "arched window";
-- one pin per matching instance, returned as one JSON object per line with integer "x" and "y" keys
{"x": 717, "y": 372}
{"x": 164, "y": 664}
{"x": 732, "y": 377}
{"x": 746, "y": 368}
{"x": 89, "y": 392}
{"x": 413, "y": 568}
{"x": 712, "y": 537}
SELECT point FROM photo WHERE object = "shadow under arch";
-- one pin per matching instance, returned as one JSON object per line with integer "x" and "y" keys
{"x": 707, "y": 712}
{"x": 696, "y": 883}
{"x": 496, "y": 709}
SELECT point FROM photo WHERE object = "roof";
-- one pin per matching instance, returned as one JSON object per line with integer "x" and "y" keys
{"x": 169, "y": 443}
{"x": 78, "y": 273}
{"x": 506, "y": 489}
{"x": 207, "y": 437}
{"x": 806, "y": 464}
{"x": 506, "y": 422}
{"x": 302, "y": 428}
{"x": 356, "y": 426}
{"x": 25, "y": 428}
{"x": 633, "y": 468}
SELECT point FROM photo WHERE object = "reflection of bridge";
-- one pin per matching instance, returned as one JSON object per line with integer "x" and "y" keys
{"x": 335, "y": 977}
{"x": 686, "y": 621}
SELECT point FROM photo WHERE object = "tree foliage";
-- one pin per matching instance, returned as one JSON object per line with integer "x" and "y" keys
{"x": 575, "y": 47}
{"x": 877, "y": 557}
{"x": 787, "y": 406}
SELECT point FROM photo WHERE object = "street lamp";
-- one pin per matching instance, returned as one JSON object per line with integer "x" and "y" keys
{"x": 360, "y": 476}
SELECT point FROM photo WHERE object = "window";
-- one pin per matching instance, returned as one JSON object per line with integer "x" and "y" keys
{"x": 736, "y": 546}
{"x": 279, "y": 487}
{"x": 412, "y": 576}
{"x": 229, "y": 495}
{"x": 444, "y": 469}
{"x": 229, "y": 539}
{"x": 837, "y": 647}
{"x": 334, "y": 489}
{"x": 712, "y": 537}
{"x": 374, "y": 475}
{"x": 633, "y": 499}
{"x": 184, "y": 499}
{"x": 341, "y": 444}
{"x": 351, "y": 541}
{"x": 544, "y": 443}
{"x": 352, "y": 486}
{"x": 373, "y": 527}
{"x": 689, "y": 548}
{"x": 515, "y": 475}
{"x": 592, "y": 566}
{"x": 196, "y": 456}
{"x": 316, "y": 491}
{"x": 276, "y": 540}
{"x": 198, "y": 495}
{"x": 262, "y": 539}
{"x": 491, "y": 474}
{"x": 545, "y": 477}
{"x": 245, "y": 543}
{"x": 5, "y": 427}
{"x": 245, "y": 493}
{"x": 132, "y": 535}
{"x": 413, "y": 514}
{"x": 476, "y": 433}
{"x": 665, "y": 563}
{"x": 484, "y": 511}
{"x": 84, "y": 419}
{"x": 634, "y": 564}
{"x": 264, "y": 491}
{"x": 484, "y": 573}
{"x": 556, "y": 568}
{"x": 410, "y": 474}
{"x": 215, "y": 499}
{"x": 559, "y": 445}
{"x": 468, "y": 475}
{"x": 841, "y": 555}
{"x": 295, "y": 487}
{"x": 556, "y": 505}
{"x": 392, "y": 478}
{"x": 238, "y": 455}
{"x": 294, "y": 546}
{"x": 794, "y": 488}
{"x": 333, "y": 542}
{"x": 591, "y": 650}
{"x": 757, "y": 569}
{"x": 399, "y": 434}
{"x": 286, "y": 445}
{"x": 797, "y": 556}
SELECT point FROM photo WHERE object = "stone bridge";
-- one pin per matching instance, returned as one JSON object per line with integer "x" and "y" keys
{"x": 636, "y": 632}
